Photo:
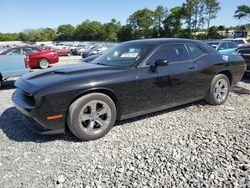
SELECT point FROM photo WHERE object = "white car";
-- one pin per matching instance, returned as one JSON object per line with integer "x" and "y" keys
{"x": 241, "y": 41}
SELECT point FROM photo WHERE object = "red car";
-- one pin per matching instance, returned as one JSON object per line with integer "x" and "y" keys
{"x": 244, "y": 51}
{"x": 60, "y": 52}
{"x": 36, "y": 57}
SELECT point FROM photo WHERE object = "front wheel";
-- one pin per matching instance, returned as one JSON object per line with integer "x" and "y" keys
{"x": 219, "y": 90}
{"x": 44, "y": 63}
{"x": 91, "y": 116}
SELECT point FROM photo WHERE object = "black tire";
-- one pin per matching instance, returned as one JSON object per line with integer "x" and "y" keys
{"x": 44, "y": 63}
{"x": 77, "y": 108}
{"x": 214, "y": 96}
{"x": 1, "y": 80}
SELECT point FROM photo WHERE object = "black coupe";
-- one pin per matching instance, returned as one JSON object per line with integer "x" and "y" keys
{"x": 131, "y": 79}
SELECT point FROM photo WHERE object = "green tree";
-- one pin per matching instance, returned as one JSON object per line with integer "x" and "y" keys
{"x": 212, "y": 7}
{"x": 198, "y": 12}
{"x": 125, "y": 33}
{"x": 160, "y": 15}
{"x": 48, "y": 34}
{"x": 213, "y": 33}
{"x": 89, "y": 31}
{"x": 33, "y": 34}
{"x": 172, "y": 24}
{"x": 110, "y": 30}
{"x": 221, "y": 28}
{"x": 242, "y": 12}
{"x": 65, "y": 32}
{"x": 9, "y": 37}
{"x": 142, "y": 21}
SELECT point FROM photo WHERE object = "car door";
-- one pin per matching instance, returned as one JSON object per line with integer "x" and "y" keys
{"x": 168, "y": 85}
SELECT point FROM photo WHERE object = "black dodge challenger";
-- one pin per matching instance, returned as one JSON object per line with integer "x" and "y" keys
{"x": 132, "y": 79}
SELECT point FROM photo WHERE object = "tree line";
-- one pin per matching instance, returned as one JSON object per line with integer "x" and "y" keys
{"x": 181, "y": 21}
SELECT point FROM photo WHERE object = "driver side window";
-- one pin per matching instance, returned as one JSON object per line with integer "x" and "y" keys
{"x": 171, "y": 53}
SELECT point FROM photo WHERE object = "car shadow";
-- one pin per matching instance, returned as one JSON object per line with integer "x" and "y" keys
{"x": 242, "y": 90}
{"x": 12, "y": 126}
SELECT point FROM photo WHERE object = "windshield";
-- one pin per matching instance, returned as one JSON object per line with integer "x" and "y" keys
{"x": 123, "y": 55}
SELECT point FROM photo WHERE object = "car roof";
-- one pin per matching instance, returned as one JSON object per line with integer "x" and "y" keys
{"x": 216, "y": 41}
{"x": 161, "y": 41}
{"x": 158, "y": 41}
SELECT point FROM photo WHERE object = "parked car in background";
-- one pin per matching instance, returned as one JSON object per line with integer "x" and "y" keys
{"x": 12, "y": 66}
{"x": 131, "y": 79}
{"x": 78, "y": 50}
{"x": 244, "y": 51}
{"x": 94, "y": 51}
{"x": 63, "y": 52}
{"x": 224, "y": 47}
{"x": 240, "y": 41}
{"x": 60, "y": 52}
{"x": 37, "y": 57}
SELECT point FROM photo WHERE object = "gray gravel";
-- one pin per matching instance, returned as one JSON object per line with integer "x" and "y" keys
{"x": 195, "y": 145}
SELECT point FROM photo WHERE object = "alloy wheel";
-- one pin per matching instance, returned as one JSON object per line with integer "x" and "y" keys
{"x": 95, "y": 117}
{"x": 221, "y": 90}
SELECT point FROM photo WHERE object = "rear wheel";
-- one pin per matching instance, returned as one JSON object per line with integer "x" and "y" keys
{"x": 91, "y": 116}
{"x": 44, "y": 63}
{"x": 219, "y": 90}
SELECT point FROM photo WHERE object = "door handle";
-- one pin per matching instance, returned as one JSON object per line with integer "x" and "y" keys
{"x": 192, "y": 67}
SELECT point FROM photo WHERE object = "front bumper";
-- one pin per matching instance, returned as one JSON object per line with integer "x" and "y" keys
{"x": 34, "y": 118}
{"x": 38, "y": 128}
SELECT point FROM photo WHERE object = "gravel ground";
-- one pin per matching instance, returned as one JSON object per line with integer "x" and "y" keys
{"x": 195, "y": 145}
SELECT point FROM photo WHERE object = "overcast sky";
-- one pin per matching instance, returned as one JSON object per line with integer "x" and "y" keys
{"x": 16, "y": 15}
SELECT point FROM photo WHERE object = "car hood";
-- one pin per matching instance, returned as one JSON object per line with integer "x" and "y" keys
{"x": 39, "y": 80}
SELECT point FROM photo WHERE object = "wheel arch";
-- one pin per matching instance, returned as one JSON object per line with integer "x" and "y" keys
{"x": 110, "y": 93}
{"x": 228, "y": 74}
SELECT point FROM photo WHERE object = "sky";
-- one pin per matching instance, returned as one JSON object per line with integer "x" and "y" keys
{"x": 17, "y": 15}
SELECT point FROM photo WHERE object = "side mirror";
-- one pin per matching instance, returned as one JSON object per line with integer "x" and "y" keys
{"x": 161, "y": 62}
{"x": 158, "y": 63}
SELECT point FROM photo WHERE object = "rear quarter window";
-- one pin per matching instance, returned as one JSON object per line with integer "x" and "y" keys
{"x": 195, "y": 51}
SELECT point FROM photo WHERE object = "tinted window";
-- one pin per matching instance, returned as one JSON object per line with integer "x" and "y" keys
{"x": 195, "y": 51}
{"x": 30, "y": 50}
{"x": 172, "y": 53}
{"x": 232, "y": 45}
{"x": 222, "y": 46}
{"x": 14, "y": 52}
